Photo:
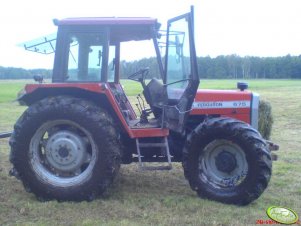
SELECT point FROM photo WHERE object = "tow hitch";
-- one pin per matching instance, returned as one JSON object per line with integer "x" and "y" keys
{"x": 273, "y": 147}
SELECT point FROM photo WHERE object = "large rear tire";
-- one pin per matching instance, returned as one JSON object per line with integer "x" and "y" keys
{"x": 227, "y": 160}
{"x": 65, "y": 148}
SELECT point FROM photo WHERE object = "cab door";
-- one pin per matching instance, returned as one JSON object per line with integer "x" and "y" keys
{"x": 181, "y": 77}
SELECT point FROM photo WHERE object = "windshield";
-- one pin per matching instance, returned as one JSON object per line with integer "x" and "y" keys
{"x": 44, "y": 45}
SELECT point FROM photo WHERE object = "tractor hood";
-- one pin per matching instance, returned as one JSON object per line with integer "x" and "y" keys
{"x": 242, "y": 105}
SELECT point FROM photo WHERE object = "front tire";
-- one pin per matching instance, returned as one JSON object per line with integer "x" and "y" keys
{"x": 228, "y": 161}
{"x": 65, "y": 148}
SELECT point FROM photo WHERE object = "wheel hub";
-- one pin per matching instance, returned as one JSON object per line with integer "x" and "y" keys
{"x": 65, "y": 151}
{"x": 225, "y": 161}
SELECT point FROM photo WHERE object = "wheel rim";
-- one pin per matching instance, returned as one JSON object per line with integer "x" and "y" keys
{"x": 63, "y": 153}
{"x": 223, "y": 164}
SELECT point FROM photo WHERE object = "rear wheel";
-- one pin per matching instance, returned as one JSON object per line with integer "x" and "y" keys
{"x": 228, "y": 161}
{"x": 65, "y": 148}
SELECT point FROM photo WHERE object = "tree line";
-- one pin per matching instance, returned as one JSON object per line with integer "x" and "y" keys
{"x": 21, "y": 73}
{"x": 230, "y": 66}
{"x": 250, "y": 67}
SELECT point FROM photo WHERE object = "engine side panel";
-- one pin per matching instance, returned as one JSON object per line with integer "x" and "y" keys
{"x": 233, "y": 104}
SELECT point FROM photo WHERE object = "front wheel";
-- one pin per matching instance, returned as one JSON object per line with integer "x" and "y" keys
{"x": 65, "y": 148}
{"x": 228, "y": 161}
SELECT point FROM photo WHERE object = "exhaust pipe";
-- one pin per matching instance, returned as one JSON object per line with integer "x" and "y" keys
{"x": 5, "y": 134}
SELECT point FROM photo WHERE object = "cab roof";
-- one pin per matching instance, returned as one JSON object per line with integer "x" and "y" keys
{"x": 121, "y": 28}
{"x": 107, "y": 21}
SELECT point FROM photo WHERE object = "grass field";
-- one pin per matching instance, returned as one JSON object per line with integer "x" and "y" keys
{"x": 162, "y": 198}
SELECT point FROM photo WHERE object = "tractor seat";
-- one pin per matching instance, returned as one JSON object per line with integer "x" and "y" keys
{"x": 155, "y": 94}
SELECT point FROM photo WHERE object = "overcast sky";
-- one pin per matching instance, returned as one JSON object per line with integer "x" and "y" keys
{"x": 222, "y": 27}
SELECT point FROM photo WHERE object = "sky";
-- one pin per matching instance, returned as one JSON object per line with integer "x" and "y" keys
{"x": 222, "y": 27}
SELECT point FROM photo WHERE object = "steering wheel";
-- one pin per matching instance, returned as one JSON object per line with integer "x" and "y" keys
{"x": 139, "y": 76}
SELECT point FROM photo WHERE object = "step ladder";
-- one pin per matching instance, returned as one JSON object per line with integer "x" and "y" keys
{"x": 164, "y": 145}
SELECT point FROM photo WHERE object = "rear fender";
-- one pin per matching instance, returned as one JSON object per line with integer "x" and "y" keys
{"x": 99, "y": 94}
{"x": 29, "y": 98}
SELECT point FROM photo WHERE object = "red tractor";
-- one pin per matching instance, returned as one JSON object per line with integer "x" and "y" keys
{"x": 77, "y": 130}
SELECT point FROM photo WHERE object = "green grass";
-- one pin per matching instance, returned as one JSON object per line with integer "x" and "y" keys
{"x": 162, "y": 198}
{"x": 10, "y": 88}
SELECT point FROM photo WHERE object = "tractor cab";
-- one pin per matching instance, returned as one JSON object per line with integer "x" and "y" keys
{"x": 88, "y": 51}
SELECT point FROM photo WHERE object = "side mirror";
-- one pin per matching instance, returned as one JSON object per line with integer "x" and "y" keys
{"x": 179, "y": 48}
{"x": 178, "y": 45}
{"x": 99, "y": 58}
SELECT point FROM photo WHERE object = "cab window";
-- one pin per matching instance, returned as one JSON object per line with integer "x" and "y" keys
{"x": 85, "y": 57}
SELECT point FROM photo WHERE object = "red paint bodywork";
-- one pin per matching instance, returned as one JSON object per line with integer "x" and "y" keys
{"x": 108, "y": 90}
{"x": 242, "y": 114}
{"x": 93, "y": 87}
